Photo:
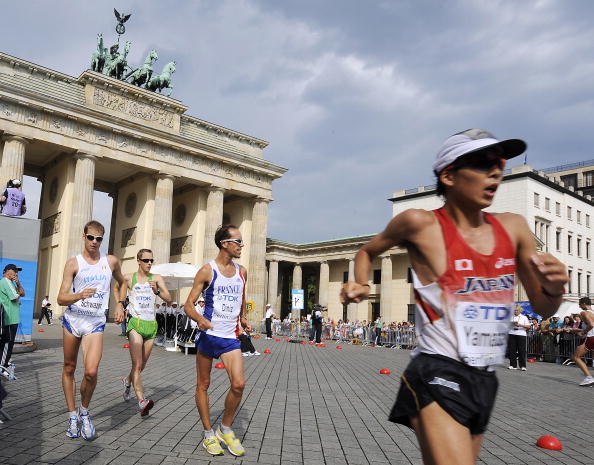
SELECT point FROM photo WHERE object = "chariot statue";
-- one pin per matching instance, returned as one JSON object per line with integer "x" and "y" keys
{"x": 143, "y": 74}
{"x": 98, "y": 57}
{"x": 163, "y": 80}
{"x": 118, "y": 62}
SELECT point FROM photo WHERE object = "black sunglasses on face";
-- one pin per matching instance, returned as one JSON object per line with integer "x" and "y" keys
{"x": 147, "y": 260}
{"x": 92, "y": 238}
{"x": 235, "y": 241}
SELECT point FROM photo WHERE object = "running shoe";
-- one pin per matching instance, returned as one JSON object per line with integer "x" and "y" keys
{"x": 145, "y": 406}
{"x": 233, "y": 444}
{"x": 256, "y": 353}
{"x": 512, "y": 368}
{"x": 588, "y": 381}
{"x": 73, "y": 430}
{"x": 127, "y": 386}
{"x": 87, "y": 430}
{"x": 245, "y": 354}
{"x": 212, "y": 445}
{"x": 523, "y": 369}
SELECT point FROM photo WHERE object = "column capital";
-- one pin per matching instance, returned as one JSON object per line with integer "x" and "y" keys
{"x": 84, "y": 155}
{"x": 262, "y": 199}
{"x": 10, "y": 137}
{"x": 213, "y": 188}
{"x": 161, "y": 175}
{"x": 323, "y": 262}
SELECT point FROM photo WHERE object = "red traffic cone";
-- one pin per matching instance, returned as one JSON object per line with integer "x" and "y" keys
{"x": 220, "y": 365}
{"x": 277, "y": 340}
{"x": 126, "y": 346}
{"x": 311, "y": 342}
{"x": 267, "y": 351}
{"x": 322, "y": 345}
{"x": 339, "y": 347}
{"x": 385, "y": 371}
{"x": 303, "y": 342}
{"x": 531, "y": 360}
{"x": 41, "y": 330}
{"x": 549, "y": 442}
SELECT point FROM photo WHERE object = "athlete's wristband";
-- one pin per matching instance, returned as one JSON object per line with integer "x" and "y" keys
{"x": 365, "y": 285}
{"x": 545, "y": 292}
{"x": 158, "y": 291}
{"x": 123, "y": 302}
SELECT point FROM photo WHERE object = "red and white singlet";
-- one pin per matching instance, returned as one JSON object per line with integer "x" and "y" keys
{"x": 466, "y": 314}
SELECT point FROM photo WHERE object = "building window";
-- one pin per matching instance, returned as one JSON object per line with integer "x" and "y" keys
{"x": 536, "y": 200}
{"x": 579, "y": 247}
{"x": 375, "y": 311}
{"x": 345, "y": 276}
{"x": 547, "y": 204}
{"x": 345, "y": 308}
{"x": 578, "y": 216}
{"x": 569, "y": 236}
{"x": 587, "y": 220}
{"x": 587, "y": 250}
{"x": 588, "y": 178}
{"x": 579, "y": 283}
{"x": 411, "y": 313}
{"x": 568, "y": 213}
{"x": 570, "y": 180}
{"x": 557, "y": 208}
{"x": 588, "y": 284}
{"x": 377, "y": 276}
{"x": 558, "y": 240}
{"x": 569, "y": 275}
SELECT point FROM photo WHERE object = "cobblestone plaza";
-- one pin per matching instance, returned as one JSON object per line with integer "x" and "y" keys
{"x": 302, "y": 405}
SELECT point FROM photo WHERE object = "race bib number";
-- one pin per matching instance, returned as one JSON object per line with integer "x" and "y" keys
{"x": 482, "y": 330}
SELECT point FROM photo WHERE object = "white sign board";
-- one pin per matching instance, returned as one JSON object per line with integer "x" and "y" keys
{"x": 297, "y": 299}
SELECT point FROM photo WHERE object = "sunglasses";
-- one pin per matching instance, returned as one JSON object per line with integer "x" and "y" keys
{"x": 92, "y": 238}
{"x": 235, "y": 241}
{"x": 147, "y": 260}
{"x": 484, "y": 162}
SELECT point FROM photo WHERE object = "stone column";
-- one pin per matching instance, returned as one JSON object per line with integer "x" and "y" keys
{"x": 386, "y": 288}
{"x": 257, "y": 268}
{"x": 352, "y": 307}
{"x": 82, "y": 200}
{"x": 114, "y": 215}
{"x": 297, "y": 284}
{"x": 273, "y": 285}
{"x": 324, "y": 284}
{"x": 161, "y": 238}
{"x": 214, "y": 218}
{"x": 13, "y": 159}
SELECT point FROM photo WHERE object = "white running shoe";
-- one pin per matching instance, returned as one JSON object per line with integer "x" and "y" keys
{"x": 73, "y": 430}
{"x": 127, "y": 387}
{"x": 523, "y": 369}
{"x": 588, "y": 381}
{"x": 512, "y": 368}
{"x": 245, "y": 354}
{"x": 87, "y": 429}
{"x": 256, "y": 353}
{"x": 145, "y": 406}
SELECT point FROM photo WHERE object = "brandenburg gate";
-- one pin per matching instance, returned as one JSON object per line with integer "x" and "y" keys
{"x": 174, "y": 178}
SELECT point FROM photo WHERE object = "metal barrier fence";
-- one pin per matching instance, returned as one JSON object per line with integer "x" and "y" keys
{"x": 554, "y": 348}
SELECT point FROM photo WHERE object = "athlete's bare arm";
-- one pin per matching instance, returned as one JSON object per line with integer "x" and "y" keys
{"x": 406, "y": 227}
{"x": 159, "y": 283}
{"x": 543, "y": 276}
{"x": 65, "y": 296}
{"x": 120, "y": 289}
{"x": 589, "y": 319}
{"x": 201, "y": 279}
{"x": 242, "y": 320}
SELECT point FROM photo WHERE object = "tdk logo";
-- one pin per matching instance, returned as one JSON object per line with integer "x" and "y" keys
{"x": 463, "y": 264}
{"x": 501, "y": 262}
{"x": 471, "y": 313}
{"x": 487, "y": 312}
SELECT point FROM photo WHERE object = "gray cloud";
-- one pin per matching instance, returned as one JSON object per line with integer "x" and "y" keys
{"x": 354, "y": 97}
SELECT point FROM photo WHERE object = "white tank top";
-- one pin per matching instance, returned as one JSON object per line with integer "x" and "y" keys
{"x": 223, "y": 298}
{"x": 142, "y": 299}
{"x": 96, "y": 276}
{"x": 591, "y": 332}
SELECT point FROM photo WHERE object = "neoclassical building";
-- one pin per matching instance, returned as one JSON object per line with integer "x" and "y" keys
{"x": 174, "y": 178}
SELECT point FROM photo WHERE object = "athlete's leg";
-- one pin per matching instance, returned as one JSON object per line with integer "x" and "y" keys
{"x": 147, "y": 348}
{"x": 92, "y": 346}
{"x": 477, "y": 442}
{"x": 580, "y": 352}
{"x": 71, "y": 346}
{"x": 442, "y": 439}
{"x": 136, "y": 348}
{"x": 234, "y": 365}
{"x": 203, "y": 368}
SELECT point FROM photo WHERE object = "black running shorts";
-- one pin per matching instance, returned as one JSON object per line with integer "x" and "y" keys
{"x": 466, "y": 393}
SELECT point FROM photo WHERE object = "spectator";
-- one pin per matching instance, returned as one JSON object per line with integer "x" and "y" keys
{"x": 566, "y": 339}
{"x": 11, "y": 292}
{"x": 378, "y": 331}
{"x": 45, "y": 311}
{"x": 316, "y": 321}
{"x": 516, "y": 345}
{"x": 269, "y": 316}
{"x": 124, "y": 323}
{"x": 245, "y": 342}
{"x": 12, "y": 202}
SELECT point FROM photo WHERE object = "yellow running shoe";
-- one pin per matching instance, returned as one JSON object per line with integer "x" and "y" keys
{"x": 233, "y": 444}
{"x": 212, "y": 446}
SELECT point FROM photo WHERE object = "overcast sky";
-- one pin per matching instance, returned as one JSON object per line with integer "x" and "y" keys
{"x": 354, "y": 96}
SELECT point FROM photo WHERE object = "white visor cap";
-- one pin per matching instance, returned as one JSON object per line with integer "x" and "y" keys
{"x": 473, "y": 140}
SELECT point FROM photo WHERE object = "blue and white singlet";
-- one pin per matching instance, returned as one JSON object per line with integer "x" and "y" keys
{"x": 223, "y": 300}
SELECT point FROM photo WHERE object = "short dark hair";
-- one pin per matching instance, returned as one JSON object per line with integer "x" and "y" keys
{"x": 585, "y": 301}
{"x": 95, "y": 225}
{"x": 141, "y": 251}
{"x": 223, "y": 233}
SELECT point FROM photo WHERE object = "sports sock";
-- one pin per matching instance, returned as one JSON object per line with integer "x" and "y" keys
{"x": 83, "y": 410}
{"x": 208, "y": 434}
{"x": 226, "y": 429}
{"x": 74, "y": 413}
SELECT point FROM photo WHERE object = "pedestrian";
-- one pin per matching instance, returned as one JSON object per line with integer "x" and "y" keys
{"x": 143, "y": 287}
{"x": 269, "y": 316}
{"x": 378, "y": 331}
{"x": 124, "y": 323}
{"x": 85, "y": 292}
{"x": 11, "y": 293}
{"x": 463, "y": 268}
{"x": 12, "y": 201}
{"x": 222, "y": 281}
{"x": 516, "y": 342}
{"x": 316, "y": 318}
{"x": 247, "y": 348}
{"x": 45, "y": 311}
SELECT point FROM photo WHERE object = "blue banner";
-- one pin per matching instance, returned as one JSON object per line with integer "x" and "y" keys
{"x": 527, "y": 310}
